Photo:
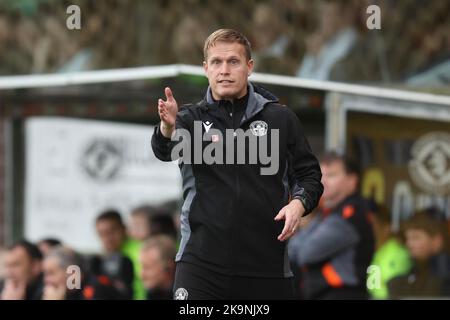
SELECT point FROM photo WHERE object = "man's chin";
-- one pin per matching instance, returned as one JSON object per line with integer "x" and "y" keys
{"x": 226, "y": 94}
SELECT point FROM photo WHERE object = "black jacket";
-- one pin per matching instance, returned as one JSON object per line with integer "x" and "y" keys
{"x": 116, "y": 267}
{"x": 227, "y": 220}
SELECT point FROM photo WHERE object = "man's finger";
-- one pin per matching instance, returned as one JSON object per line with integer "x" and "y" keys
{"x": 169, "y": 95}
{"x": 287, "y": 228}
{"x": 280, "y": 215}
{"x": 295, "y": 223}
{"x": 290, "y": 234}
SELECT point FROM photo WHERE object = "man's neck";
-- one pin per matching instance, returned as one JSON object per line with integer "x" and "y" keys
{"x": 167, "y": 284}
{"x": 331, "y": 204}
{"x": 231, "y": 99}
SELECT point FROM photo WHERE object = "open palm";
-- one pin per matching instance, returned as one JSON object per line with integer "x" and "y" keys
{"x": 168, "y": 109}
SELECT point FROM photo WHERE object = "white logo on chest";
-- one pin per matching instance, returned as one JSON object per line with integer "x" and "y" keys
{"x": 207, "y": 125}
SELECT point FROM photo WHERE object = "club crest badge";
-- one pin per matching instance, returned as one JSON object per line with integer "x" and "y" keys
{"x": 259, "y": 128}
{"x": 181, "y": 294}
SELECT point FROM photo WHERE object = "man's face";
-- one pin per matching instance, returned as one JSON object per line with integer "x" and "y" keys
{"x": 336, "y": 182}
{"x": 19, "y": 267}
{"x": 154, "y": 271}
{"x": 111, "y": 234}
{"x": 227, "y": 70}
{"x": 421, "y": 245}
{"x": 139, "y": 227}
{"x": 54, "y": 275}
{"x": 44, "y": 247}
{"x": 330, "y": 14}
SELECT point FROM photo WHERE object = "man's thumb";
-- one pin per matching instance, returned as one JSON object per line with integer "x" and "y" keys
{"x": 168, "y": 93}
{"x": 280, "y": 215}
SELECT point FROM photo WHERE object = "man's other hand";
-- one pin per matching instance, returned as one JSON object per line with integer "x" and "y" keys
{"x": 291, "y": 213}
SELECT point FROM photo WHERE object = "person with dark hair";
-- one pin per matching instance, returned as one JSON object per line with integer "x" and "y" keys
{"x": 147, "y": 221}
{"x": 23, "y": 270}
{"x": 113, "y": 263}
{"x": 335, "y": 249}
{"x": 240, "y": 204}
{"x": 140, "y": 224}
{"x": 427, "y": 242}
{"x": 46, "y": 244}
{"x": 150, "y": 221}
{"x": 162, "y": 223}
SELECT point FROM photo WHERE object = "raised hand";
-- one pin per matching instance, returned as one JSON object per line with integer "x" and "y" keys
{"x": 13, "y": 291}
{"x": 167, "y": 111}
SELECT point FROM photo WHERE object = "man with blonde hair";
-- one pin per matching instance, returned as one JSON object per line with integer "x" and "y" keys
{"x": 246, "y": 166}
{"x": 158, "y": 266}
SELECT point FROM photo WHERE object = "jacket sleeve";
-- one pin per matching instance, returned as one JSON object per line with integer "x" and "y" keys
{"x": 162, "y": 147}
{"x": 304, "y": 169}
{"x": 333, "y": 235}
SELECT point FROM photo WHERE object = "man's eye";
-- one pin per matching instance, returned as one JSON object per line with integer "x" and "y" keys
{"x": 234, "y": 61}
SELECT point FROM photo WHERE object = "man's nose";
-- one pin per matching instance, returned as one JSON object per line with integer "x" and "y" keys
{"x": 224, "y": 68}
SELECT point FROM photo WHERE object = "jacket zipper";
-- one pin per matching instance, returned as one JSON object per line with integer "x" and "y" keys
{"x": 234, "y": 231}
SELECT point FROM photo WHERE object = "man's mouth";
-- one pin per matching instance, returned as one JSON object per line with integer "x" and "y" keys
{"x": 225, "y": 81}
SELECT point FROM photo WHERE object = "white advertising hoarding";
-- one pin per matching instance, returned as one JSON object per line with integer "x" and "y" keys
{"x": 77, "y": 168}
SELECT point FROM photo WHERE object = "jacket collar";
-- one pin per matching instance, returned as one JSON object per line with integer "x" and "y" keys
{"x": 258, "y": 98}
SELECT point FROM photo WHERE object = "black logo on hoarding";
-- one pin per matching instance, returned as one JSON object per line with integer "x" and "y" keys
{"x": 102, "y": 160}
{"x": 429, "y": 167}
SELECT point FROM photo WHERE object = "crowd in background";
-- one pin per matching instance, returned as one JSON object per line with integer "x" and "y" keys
{"x": 137, "y": 262}
{"x": 326, "y": 39}
{"x": 347, "y": 249}
{"x": 344, "y": 250}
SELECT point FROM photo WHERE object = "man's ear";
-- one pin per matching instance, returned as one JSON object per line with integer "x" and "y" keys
{"x": 437, "y": 243}
{"x": 205, "y": 66}
{"x": 352, "y": 181}
{"x": 36, "y": 268}
{"x": 250, "y": 65}
{"x": 170, "y": 267}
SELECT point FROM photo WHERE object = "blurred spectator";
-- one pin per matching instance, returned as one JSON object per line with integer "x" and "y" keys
{"x": 272, "y": 46}
{"x": 413, "y": 38}
{"x": 23, "y": 272}
{"x": 189, "y": 49}
{"x": 56, "y": 279}
{"x": 82, "y": 57}
{"x": 162, "y": 223}
{"x": 139, "y": 226}
{"x": 426, "y": 240}
{"x": 113, "y": 262}
{"x": 146, "y": 221}
{"x": 292, "y": 247}
{"x": 391, "y": 256}
{"x": 335, "y": 249}
{"x": 335, "y": 37}
{"x": 46, "y": 244}
{"x": 158, "y": 267}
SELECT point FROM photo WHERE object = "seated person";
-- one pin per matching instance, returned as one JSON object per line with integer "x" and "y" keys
{"x": 66, "y": 278}
{"x": 430, "y": 273}
{"x": 23, "y": 270}
{"x": 158, "y": 267}
{"x": 113, "y": 263}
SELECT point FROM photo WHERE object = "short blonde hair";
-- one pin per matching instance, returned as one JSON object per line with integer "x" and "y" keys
{"x": 229, "y": 36}
{"x": 165, "y": 245}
